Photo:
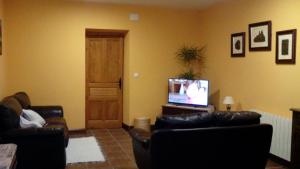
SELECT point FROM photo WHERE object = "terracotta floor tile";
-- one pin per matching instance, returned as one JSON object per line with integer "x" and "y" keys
{"x": 116, "y": 155}
{"x": 76, "y": 166}
{"x": 97, "y": 164}
{"x": 126, "y": 167}
{"x": 271, "y": 164}
{"x": 121, "y": 162}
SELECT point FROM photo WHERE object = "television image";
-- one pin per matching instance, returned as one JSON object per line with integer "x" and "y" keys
{"x": 188, "y": 92}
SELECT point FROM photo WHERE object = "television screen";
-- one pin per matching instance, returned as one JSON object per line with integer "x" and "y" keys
{"x": 188, "y": 92}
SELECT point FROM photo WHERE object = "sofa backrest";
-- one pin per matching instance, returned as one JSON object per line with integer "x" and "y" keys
{"x": 11, "y": 109}
{"x": 237, "y": 147}
{"x": 8, "y": 119}
{"x": 12, "y": 103}
{"x": 198, "y": 120}
{"x": 195, "y": 120}
{"x": 17, "y": 102}
{"x": 225, "y": 118}
{"x": 23, "y": 99}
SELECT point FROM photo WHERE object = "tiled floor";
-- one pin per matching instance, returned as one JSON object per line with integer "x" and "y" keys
{"x": 117, "y": 148}
{"x": 273, "y": 165}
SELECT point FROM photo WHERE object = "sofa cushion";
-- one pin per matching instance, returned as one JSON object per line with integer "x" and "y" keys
{"x": 23, "y": 99}
{"x": 195, "y": 120}
{"x": 12, "y": 103}
{"x": 8, "y": 118}
{"x": 225, "y": 118}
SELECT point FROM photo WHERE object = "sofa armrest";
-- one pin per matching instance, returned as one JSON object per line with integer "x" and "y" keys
{"x": 32, "y": 132}
{"x": 49, "y": 111}
{"x": 35, "y": 137}
{"x": 141, "y": 136}
{"x": 141, "y": 147}
{"x": 36, "y": 146}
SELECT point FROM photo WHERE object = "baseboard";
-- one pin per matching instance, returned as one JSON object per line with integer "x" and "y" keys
{"x": 77, "y": 131}
{"x": 127, "y": 128}
{"x": 280, "y": 160}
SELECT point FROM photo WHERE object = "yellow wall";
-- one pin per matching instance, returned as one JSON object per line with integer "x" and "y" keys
{"x": 46, "y": 52}
{"x": 45, "y": 49}
{"x": 254, "y": 81}
{"x": 2, "y": 57}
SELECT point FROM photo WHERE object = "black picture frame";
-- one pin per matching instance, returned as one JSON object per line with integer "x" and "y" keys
{"x": 238, "y": 44}
{"x": 260, "y": 36}
{"x": 286, "y": 46}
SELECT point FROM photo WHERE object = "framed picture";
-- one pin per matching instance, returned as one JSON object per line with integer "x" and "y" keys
{"x": 286, "y": 47}
{"x": 260, "y": 36}
{"x": 238, "y": 44}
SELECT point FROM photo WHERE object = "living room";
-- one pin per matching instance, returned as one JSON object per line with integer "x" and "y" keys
{"x": 44, "y": 53}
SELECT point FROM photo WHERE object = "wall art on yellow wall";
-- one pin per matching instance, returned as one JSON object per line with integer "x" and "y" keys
{"x": 286, "y": 47}
{"x": 260, "y": 36}
{"x": 238, "y": 44}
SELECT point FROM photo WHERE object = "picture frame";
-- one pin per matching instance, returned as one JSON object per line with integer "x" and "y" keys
{"x": 260, "y": 36}
{"x": 238, "y": 44}
{"x": 286, "y": 46}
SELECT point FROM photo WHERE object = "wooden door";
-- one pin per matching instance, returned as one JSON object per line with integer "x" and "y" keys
{"x": 104, "y": 74}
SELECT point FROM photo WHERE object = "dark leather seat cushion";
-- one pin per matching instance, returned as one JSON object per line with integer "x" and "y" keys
{"x": 8, "y": 119}
{"x": 196, "y": 120}
{"x": 225, "y": 118}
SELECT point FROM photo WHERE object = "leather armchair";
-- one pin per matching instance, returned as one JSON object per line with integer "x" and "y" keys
{"x": 53, "y": 114}
{"x": 37, "y": 147}
{"x": 217, "y": 145}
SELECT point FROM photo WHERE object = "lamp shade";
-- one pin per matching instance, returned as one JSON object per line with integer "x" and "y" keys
{"x": 228, "y": 100}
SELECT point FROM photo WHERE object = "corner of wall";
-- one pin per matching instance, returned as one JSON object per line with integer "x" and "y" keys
{"x": 2, "y": 56}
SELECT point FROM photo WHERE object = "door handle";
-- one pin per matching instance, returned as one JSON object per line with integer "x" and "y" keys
{"x": 120, "y": 83}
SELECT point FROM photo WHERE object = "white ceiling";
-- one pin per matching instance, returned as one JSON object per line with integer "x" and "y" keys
{"x": 196, "y": 4}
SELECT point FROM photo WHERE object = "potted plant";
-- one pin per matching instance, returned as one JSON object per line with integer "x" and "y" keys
{"x": 191, "y": 57}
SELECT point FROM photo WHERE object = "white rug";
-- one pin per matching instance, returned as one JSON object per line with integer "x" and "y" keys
{"x": 84, "y": 149}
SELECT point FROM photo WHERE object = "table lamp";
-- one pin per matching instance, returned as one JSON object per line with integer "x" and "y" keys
{"x": 228, "y": 100}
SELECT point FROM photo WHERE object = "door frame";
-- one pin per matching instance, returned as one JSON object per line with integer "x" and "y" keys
{"x": 100, "y": 33}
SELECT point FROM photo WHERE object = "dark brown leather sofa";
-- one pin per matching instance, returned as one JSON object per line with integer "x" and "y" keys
{"x": 204, "y": 141}
{"x": 37, "y": 147}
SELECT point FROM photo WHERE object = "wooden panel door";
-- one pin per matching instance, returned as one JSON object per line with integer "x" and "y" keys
{"x": 104, "y": 72}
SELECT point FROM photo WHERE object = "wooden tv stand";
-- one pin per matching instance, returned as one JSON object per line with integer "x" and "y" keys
{"x": 172, "y": 109}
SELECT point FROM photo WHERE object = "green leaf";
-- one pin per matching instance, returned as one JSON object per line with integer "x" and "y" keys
{"x": 190, "y": 75}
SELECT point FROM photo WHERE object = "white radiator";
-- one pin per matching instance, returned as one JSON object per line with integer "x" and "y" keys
{"x": 282, "y": 134}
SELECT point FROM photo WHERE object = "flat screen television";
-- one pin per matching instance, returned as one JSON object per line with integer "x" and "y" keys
{"x": 188, "y": 92}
